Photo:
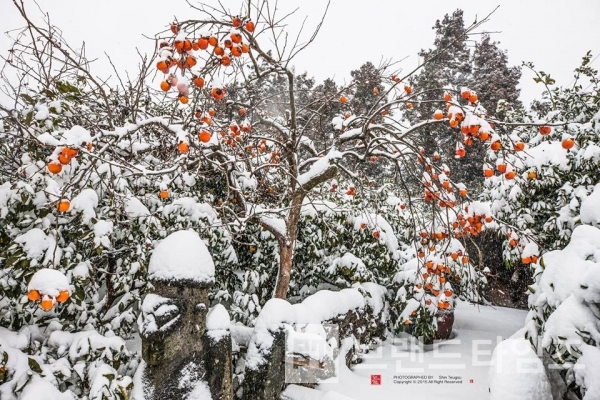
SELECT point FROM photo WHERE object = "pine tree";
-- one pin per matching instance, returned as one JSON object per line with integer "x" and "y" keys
{"x": 448, "y": 68}
{"x": 493, "y": 78}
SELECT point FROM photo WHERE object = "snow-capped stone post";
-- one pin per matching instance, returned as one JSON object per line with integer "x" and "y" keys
{"x": 173, "y": 321}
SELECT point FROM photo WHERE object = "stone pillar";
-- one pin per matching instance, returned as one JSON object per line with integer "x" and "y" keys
{"x": 218, "y": 359}
{"x": 174, "y": 322}
{"x": 267, "y": 381}
{"x": 178, "y": 356}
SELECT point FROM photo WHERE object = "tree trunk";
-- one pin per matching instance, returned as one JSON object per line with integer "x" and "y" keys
{"x": 287, "y": 245}
{"x": 286, "y": 255}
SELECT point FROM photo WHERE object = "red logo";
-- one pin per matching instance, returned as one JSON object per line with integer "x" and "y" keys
{"x": 375, "y": 379}
{"x": 471, "y": 381}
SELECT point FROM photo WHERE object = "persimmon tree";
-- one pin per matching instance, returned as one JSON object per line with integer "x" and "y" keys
{"x": 263, "y": 144}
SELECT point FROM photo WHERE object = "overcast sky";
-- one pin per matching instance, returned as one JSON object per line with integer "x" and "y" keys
{"x": 554, "y": 34}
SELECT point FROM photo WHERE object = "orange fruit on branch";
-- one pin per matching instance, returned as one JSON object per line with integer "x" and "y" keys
{"x": 198, "y": 81}
{"x": 250, "y": 26}
{"x": 33, "y": 295}
{"x": 64, "y": 160}
{"x": 545, "y": 130}
{"x": 531, "y": 175}
{"x": 568, "y": 143}
{"x": 63, "y": 296}
{"x": 519, "y": 146}
{"x": 225, "y": 61}
{"x": 203, "y": 43}
{"x": 183, "y": 147}
{"x": 204, "y": 136}
{"x": 47, "y": 303}
{"x": 236, "y": 38}
{"x": 217, "y": 93}
{"x": 236, "y": 51}
{"x": 63, "y": 205}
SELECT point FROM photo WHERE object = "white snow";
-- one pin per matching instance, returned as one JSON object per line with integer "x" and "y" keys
{"x": 17, "y": 340}
{"x": 586, "y": 372}
{"x": 478, "y": 330}
{"x": 517, "y": 373}
{"x": 34, "y": 242}
{"x": 182, "y": 256}
{"x": 86, "y": 202}
{"x": 218, "y": 318}
{"x": 319, "y": 167}
{"x": 39, "y": 388}
{"x": 42, "y": 112}
{"x": 156, "y": 306}
{"x": 315, "y": 309}
{"x": 590, "y": 208}
{"x": 134, "y": 208}
{"x": 191, "y": 210}
{"x": 49, "y": 282}
{"x": 201, "y": 391}
{"x": 544, "y": 154}
{"x": 76, "y": 136}
{"x": 275, "y": 223}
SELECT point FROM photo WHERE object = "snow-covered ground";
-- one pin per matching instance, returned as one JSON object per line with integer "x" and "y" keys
{"x": 454, "y": 369}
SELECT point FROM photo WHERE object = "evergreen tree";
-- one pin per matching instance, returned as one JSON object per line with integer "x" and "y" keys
{"x": 493, "y": 78}
{"x": 448, "y": 68}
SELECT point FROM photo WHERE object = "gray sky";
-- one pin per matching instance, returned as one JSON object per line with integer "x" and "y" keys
{"x": 553, "y": 34}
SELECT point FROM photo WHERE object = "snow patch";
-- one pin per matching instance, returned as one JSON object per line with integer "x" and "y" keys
{"x": 182, "y": 256}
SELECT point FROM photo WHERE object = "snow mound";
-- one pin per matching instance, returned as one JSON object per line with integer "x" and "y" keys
{"x": 218, "y": 318}
{"x": 516, "y": 373}
{"x": 86, "y": 202}
{"x": 218, "y": 322}
{"x": 182, "y": 257}
{"x": 49, "y": 282}
{"x": 35, "y": 243}
{"x": 76, "y": 136}
{"x": 590, "y": 208}
{"x": 40, "y": 388}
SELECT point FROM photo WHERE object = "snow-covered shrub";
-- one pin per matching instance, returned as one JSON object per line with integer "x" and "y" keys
{"x": 563, "y": 321}
{"x": 555, "y": 172}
